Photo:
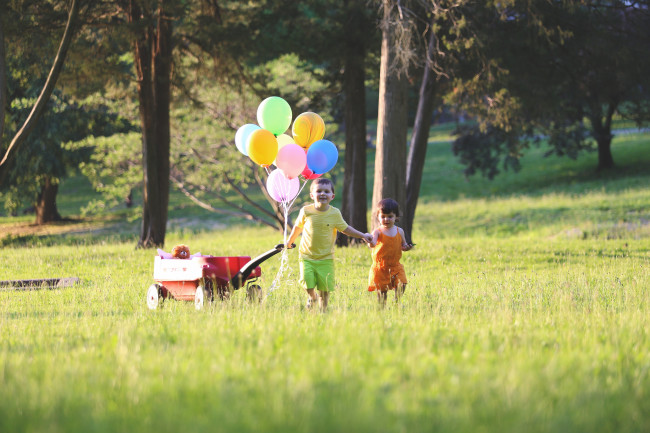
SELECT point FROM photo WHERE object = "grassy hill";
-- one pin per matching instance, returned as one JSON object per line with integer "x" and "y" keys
{"x": 527, "y": 309}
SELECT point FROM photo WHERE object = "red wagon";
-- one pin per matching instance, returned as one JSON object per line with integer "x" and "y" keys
{"x": 200, "y": 279}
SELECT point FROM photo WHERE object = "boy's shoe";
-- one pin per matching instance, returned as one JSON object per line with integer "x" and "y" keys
{"x": 308, "y": 304}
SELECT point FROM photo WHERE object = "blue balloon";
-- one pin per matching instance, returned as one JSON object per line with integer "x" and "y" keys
{"x": 242, "y": 136}
{"x": 322, "y": 156}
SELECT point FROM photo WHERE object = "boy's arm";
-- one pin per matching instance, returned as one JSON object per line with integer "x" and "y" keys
{"x": 351, "y": 231}
{"x": 292, "y": 237}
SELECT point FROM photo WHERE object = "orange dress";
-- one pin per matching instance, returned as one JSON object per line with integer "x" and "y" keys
{"x": 386, "y": 271}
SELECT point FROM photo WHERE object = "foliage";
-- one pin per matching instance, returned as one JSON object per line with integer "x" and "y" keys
{"x": 555, "y": 69}
{"x": 300, "y": 83}
{"x": 204, "y": 160}
{"x": 114, "y": 169}
{"x": 45, "y": 154}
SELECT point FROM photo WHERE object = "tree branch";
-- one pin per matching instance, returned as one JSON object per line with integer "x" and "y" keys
{"x": 3, "y": 81}
{"x": 206, "y": 206}
{"x": 239, "y": 191}
{"x": 262, "y": 185}
{"x": 247, "y": 198}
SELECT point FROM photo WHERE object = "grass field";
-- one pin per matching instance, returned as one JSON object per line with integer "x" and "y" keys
{"x": 528, "y": 310}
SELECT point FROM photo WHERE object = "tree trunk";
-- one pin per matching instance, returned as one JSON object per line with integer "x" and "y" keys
{"x": 419, "y": 141}
{"x": 390, "y": 159}
{"x": 354, "y": 207}
{"x": 605, "y": 159}
{"x": 153, "y": 50}
{"x": 46, "y": 210}
{"x": 603, "y": 134}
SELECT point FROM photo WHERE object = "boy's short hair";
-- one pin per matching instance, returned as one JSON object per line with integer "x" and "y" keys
{"x": 388, "y": 205}
{"x": 321, "y": 181}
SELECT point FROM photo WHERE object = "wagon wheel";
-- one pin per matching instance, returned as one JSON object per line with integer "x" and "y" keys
{"x": 254, "y": 293}
{"x": 154, "y": 296}
{"x": 203, "y": 294}
{"x": 199, "y": 297}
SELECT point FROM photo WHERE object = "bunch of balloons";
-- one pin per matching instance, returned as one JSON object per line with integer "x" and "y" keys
{"x": 303, "y": 153}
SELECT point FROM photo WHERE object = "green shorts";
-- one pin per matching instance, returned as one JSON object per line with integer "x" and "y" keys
{"x": 317, "y": 274}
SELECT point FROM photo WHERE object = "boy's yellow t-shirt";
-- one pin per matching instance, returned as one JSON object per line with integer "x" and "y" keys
{"x": 319, "y": 232}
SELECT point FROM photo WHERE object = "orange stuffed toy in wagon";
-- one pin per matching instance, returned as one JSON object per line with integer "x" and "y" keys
{"x": 178, "y": 252}
{"x": 181, "y": 252}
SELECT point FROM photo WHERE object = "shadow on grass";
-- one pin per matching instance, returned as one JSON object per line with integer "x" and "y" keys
{"x": 77, "y": 238}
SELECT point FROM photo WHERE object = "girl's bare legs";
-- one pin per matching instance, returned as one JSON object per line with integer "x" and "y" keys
{"x": 382, "y": 295}
{"x": 399, "y": 291}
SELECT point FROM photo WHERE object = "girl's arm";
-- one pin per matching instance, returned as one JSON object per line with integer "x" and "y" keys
{"x": 405, "y": 246}
{"x": 373, "y": 241}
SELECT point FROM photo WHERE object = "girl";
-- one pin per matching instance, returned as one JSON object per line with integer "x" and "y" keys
{"x": 388, "y": 242}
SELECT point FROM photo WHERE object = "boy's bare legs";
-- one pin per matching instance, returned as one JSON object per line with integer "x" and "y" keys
{"x": 324, "y": 298}
{"x": 313, "y": 298}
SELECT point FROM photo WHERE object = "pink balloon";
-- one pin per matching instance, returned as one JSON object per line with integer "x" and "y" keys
{"x": 280, "y": 188}
{"x": 291, "y": 159}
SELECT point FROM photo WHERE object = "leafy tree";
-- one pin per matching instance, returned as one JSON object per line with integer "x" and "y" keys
{"x": 444, "y": 26}
{"x": 231, "y": 56}
{"x": 173, "y": 32}
{"x": 114, "y": 168}
{"x": 34, "y": 174}
{"x": 40, "y": 118}
{"x": 555, "y": 70}
{"x": 205, "y": 165}
{"x": 48, "y": 88}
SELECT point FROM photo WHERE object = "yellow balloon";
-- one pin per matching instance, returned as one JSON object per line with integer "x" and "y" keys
{"x": 308, "y": 128}
{"x": 283, "y": 140}
{"x": 262, "y": 147}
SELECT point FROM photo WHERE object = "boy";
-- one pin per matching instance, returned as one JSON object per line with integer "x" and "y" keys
{"x": 319, "y": 223}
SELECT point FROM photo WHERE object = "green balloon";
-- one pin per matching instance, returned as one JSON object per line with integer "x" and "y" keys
{"x": 274, "y": 115}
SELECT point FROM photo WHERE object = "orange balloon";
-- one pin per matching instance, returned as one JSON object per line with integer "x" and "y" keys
{"x": 308, "y": 128}
{"x": 262, "y": 147}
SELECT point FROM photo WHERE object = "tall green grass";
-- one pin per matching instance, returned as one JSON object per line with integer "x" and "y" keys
{"x": 527, "y": 309}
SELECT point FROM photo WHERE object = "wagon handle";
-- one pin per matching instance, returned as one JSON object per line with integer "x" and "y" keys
{"x": 239, "y": 278}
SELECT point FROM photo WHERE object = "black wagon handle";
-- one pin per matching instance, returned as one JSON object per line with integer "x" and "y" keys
{"x": 239, "y": 278}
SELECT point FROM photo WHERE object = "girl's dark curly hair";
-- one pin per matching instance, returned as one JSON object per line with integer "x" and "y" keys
{"x": 388, "y": 205}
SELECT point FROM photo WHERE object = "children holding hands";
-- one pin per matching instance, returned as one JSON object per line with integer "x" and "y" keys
{"x": 319, "y": 222}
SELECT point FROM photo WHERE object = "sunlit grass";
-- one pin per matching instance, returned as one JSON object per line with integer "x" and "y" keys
{"x": 527, "y": 309}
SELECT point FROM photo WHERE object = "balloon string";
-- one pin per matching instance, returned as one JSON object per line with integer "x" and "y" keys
{"x": 299, "y": 191}
{"x": 284, "y": 259}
